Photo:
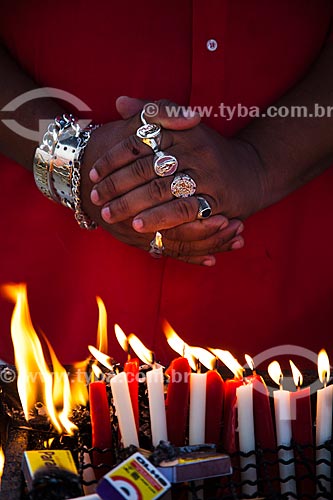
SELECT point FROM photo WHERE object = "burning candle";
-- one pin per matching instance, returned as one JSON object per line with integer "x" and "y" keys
{"x": 124, "y": 410}
{"x": 283, "y": 430}
{"x": 324, "y": 421}
{"x": 244, "y": 395}
{"x": 302, "y": 430}
{"x": 198, "y": 383}
{"x": 100, "y": 424}
{"x": 155, "y": 386}
{"x": 230, "y": 399}
{"x": 263, "y": 422}
{"x": 214, "y": 406}
{"x": 131, "y": 368}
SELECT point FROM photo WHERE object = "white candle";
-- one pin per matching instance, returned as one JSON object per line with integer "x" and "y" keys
{"x": 324, "y": 433}
{"x": 283, "y": 435}
{"x": 246, "y": 436}
{"x": 197, "y": 408}
{"x": 124, "y": 410}
{"x": 155, "y": 387}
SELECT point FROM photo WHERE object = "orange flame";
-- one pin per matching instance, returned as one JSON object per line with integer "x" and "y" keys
{"x": 140, "y": 349}
{"x": 249, "y": 361}
{"x": 121, "y": 337}
{"x": 104, "y": 359}
{"x": 178, "y": 345}
{"x": 35, "y": 382}
{"x": 275, "y": 372}
{"x": 2, "y": 463}
{"x": 230, "y": 361}
{"x": 323, "y": 367}
{"x": 297, "y": 375}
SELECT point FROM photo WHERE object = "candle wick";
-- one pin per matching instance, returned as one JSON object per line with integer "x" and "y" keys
{"x": 128, "y": 349}
{"x": 216, "y": 363}
{"x": 198, "y": 365}
{"x": 325, "y": 379}
{"x": 153, "y": 361}
{"x": 280, "y": 382}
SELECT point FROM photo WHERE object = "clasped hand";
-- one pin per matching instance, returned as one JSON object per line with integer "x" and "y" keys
{"x": 123, "y": 193}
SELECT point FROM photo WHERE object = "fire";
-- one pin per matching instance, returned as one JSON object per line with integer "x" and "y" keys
{"x": 35, "y": 382}
{"x": 79, "y": 383}
{"x": 297, "y": 375}
{"x": 204, "y": 357}
{"x": 121, "y": 337}
{"x": 323, "y": 367}
{"x": 140, "y": 349}
{"x": 104, "y": 359}
{"x": 230, "y": 361}
{"x": 2, "y": 462}
{"x": 178, "y": 345}
{"x": 274, "y": 371}
{"x": 102, "y": 330}
{"x": 249, "y": 361}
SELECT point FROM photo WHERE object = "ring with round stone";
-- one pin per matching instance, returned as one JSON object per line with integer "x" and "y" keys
{"x": 164, "y": 164}
{"x": 150, "y": 134}
{"x": 183, "y": 186}
{"x": 205, "y": 210}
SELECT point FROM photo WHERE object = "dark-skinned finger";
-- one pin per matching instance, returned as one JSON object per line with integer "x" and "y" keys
{"x": 210, "y": 260}
{"x": 125, "y": 152}
{"x": 154, "y": 193}
{"x": 203, "y": 229}
{"x": 124, "y": 180}
{"x": 164, "y": 112}
{"x": 216, "y": 243}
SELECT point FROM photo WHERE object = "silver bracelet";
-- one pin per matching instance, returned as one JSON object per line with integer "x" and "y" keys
{"x": 57, "y": 165}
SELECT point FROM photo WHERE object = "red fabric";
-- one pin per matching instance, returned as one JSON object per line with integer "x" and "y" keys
{"x": 278, "y": 289}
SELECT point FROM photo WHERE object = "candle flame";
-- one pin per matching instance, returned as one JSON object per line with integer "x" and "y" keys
{"x": 230, "y": 361}
{"x": 250, "y": 362}
{"x": 78, "y": 382}
{"x": 35, "y": 381}
{"x": 97, "y": 371}
{"x": 104, "y": 359}
{"x": 121, "y": 337}
{"x": 174, "y": 340}
{"x": 297, "y": 375}
{"x": 323, "y": 367}
{"x": 2, "y": 463}
{"x": 140, "y": 349}
{"x": 204, "y": 357}
{"x": 102, "y": 329}
{"x": 274, "y": 371}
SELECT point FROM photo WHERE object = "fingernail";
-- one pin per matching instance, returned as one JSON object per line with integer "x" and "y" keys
{"x": 224, "y": 224}
{"x": 240, "y": 229}
{"x": 189, "y": 113}
{"x": 209, "y": 261}
{"x": 137, "y": 224}
{"x": 237, "y": 244}
{"x": 106, "y": 214}
{"x": 94, "y": 196}
{"x": 93, "y": 175}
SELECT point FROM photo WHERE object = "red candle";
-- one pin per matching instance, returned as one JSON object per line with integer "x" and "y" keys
{"x": 177, "y": 400}
{"x": 214, "y": 406}
{"x": 131, "y": 368}
{"x": 230, "y": 421}
{"x": 100, "y": 425}
{"x": 263, "y": 421}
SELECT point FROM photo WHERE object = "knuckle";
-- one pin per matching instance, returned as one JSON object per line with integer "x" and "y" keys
{"x": 141, "y": 169}
{"x": 121, "y": 206}
{"x": 184, "y": 210}
{"x": 108, "y": 187}
{"x": 158, "y": 189}
{"x": 132, "y": 144}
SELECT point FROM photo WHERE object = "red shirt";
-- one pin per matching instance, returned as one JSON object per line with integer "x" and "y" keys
{"x": 278, "y": 289}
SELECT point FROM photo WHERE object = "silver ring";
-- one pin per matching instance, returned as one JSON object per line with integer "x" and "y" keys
{"x": 150, "y": 134}
{"x": 183, "y": 186}
{"x": 156, "y": 245}
{"x": 165, "y": 164}
{"x": 205, "y": 210}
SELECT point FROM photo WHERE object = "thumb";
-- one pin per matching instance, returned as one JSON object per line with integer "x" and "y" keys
{"x": 165, "y": 113}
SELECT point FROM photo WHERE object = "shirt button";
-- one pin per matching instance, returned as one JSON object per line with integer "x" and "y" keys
{"x": 211, "y": 45}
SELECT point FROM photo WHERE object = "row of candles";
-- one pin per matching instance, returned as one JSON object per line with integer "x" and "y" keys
{"x": 204, "y": 400}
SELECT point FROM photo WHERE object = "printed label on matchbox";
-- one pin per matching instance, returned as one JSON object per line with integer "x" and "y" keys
{"x": 34, "y": 460}
{"x": 134, "y": 479}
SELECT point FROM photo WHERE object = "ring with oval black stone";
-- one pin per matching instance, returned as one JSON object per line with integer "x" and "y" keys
{"x": 205, "y": 210}
{"x": 183, "y": 186}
